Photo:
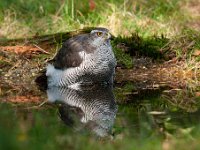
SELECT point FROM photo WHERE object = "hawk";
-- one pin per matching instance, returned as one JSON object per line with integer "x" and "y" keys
{"x": 83, "y": 59}
{"x": 95, "y": 108}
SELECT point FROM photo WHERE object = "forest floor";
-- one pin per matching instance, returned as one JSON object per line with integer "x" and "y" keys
{"x": 22, "y": 62}
{"x": 157, "y": 43}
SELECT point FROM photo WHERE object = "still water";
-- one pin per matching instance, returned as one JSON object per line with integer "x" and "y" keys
{"x": 101, "y": 118}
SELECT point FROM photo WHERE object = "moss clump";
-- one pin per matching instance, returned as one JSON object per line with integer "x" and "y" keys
{"x": 149, "y": 46}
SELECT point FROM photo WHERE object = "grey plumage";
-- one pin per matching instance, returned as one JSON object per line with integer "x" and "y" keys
{"x": 86, "y": 58}
{"x": 98, "y": 106}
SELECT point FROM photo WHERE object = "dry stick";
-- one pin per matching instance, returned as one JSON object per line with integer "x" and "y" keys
{"x": 42, "y": 50}
{"x": 37, "y": 106}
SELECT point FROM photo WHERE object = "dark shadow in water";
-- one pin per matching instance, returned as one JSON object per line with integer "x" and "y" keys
{"x": 95, "y": 107}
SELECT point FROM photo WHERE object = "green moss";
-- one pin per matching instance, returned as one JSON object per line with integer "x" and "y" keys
{"x": 123, "y": 58}
{"x": 136, "y": 46}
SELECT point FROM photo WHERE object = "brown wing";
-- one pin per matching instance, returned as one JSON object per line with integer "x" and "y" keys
{"x": 68, "y": 56}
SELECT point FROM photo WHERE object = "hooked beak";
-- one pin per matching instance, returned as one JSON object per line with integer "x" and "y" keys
{"x": 107, "y": 36}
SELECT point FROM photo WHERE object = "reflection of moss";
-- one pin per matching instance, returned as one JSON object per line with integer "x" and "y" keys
{"x": 182, "y": 99}
{"x": 121, "y": 93}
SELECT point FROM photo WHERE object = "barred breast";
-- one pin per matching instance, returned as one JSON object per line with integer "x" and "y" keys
{"x": 82, "y": 59}
{"x": 98, "y": 105}
{"x": 96, "y": 67}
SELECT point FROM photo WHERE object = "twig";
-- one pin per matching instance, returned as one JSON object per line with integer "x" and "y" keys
{"x": 37, "y": 106}
{"x": 42, "y": 50}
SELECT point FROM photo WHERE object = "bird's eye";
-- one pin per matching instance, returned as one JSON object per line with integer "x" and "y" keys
{"x": 99, "y": 33}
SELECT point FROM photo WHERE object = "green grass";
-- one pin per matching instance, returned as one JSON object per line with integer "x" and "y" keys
{"x": 26, "y": 18}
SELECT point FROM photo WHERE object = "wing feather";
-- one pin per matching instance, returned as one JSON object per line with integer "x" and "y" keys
{"x": 68, "y": 56}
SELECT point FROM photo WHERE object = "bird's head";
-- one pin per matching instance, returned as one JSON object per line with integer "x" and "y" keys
{"x": 100, "y": 36}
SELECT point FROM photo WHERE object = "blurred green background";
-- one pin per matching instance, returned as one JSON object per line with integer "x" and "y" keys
{"x": 19, "y": 18}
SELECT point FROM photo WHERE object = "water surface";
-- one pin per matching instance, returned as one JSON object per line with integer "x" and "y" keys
{"x": 100, "y": 118}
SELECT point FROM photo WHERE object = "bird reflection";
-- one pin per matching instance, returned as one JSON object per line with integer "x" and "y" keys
{"x": 96, "y": 107}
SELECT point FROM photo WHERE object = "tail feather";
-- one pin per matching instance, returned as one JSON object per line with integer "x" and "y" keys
{"x": 41, "y": 80}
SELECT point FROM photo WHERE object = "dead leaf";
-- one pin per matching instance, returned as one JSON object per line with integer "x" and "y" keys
{"x": 196, "y": 53}
{"x": 24, "y": 49}
{"x": 197, "y": 94}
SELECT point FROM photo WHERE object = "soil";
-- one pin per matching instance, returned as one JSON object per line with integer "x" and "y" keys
{"x": 21, "y": 64}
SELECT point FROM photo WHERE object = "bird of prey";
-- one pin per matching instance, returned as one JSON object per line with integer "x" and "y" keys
{"x": 96, "y": 108}
{"x": 83, "y": 59}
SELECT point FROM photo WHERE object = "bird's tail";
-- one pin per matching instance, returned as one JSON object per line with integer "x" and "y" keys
{"x": 41, "y": 80}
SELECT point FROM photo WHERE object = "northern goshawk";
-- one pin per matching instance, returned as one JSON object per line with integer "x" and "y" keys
{"x": 83, "y": 59}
